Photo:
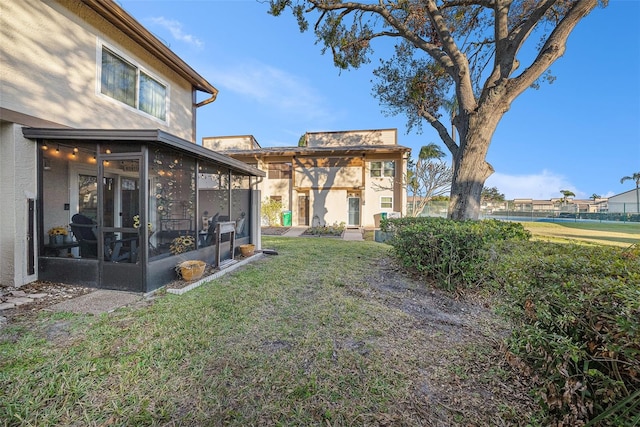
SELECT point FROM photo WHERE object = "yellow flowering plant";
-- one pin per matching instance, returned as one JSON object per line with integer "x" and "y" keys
{"x": 58, "y": 231}
{"x": 136, "y": 223}
{"x": 182, "y": 244}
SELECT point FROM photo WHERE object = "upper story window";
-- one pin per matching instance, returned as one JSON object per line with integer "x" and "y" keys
{"x": 279, "y": 171}
{"x": 383, "y": 169}
{"x": 122, "y": 80}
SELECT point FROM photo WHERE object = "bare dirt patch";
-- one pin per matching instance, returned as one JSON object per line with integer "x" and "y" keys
{"x": 464, "y": 377}
{"x": 53, "y": 294}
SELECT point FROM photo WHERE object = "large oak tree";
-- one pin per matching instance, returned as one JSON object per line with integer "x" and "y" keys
{"x": 461, "y": 53}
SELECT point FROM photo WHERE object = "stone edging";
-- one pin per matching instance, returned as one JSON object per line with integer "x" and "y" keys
{"x": 215, "y": 275}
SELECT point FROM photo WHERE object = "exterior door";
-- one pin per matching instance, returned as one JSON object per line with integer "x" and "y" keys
{"x": 119, "y": 249}
{"x": 303, "y": 209}
{"x": 354, "y": 212}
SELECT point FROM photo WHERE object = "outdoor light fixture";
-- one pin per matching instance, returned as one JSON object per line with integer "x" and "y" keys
{"x": 44, "y": 146}
{"x": 58, "y": 149}
{"x": 108, "y": 150}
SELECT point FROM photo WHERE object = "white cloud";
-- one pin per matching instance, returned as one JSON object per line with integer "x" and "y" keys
{"x": 275, "y": 88}
{"x": 175, "y": 28}
{"x": 542, "y": 186}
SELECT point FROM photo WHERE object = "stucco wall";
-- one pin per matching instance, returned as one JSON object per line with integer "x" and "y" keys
{"x": 229, "y": 143}
{"x": 49, "y": 68}
{"x": 324, "y": 177}
{"x": 17, "y": 184}
{"x": 328, "y": 207}
{"x": 624, "y": 203}
{"x": 352, "y": 138}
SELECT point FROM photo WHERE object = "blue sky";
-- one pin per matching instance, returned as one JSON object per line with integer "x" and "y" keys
{"x": 581, "y": 133}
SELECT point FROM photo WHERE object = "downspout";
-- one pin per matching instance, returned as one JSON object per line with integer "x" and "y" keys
{"x": 197, "y": 105}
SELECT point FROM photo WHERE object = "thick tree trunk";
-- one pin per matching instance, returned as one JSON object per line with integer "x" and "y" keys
{"x": 471, "y": 170}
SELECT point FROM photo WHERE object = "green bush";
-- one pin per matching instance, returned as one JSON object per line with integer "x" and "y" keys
{"x": 451, "y": 252}
{"x": 271, "y": 210}
{"x": 576, "y": 311}
{"x": 334, "y": 230}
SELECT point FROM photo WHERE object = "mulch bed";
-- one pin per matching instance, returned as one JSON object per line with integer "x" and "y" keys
{"x": 274, "y": 231}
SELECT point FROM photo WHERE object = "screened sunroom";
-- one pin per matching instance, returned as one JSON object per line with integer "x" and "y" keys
{"x": 119, "y": 209}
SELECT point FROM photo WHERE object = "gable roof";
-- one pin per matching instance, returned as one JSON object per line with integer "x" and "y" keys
{"x": 124, "y": 22}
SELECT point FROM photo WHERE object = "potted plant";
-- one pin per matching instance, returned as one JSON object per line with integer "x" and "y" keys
{"x": 247, "y": 250}
{"x": 191, "y": 270}
{"x": 56, "y": 235}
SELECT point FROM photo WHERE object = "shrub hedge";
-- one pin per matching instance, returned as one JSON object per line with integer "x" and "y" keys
{"x": 575, "y": 309}
{"x": 451, "y": 252}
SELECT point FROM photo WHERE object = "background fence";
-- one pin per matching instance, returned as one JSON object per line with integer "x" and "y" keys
{"x": 619, "y": 212}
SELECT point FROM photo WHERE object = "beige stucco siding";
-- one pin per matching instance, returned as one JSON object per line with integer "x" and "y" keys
{"x": 51, "y": 55}
{"x": 327, "y": 207}
{"x": 17, "y": 184}
{"x": 352, "y": 138}
{"x": 325, "y": 177}
{"x": 229, "y": 143}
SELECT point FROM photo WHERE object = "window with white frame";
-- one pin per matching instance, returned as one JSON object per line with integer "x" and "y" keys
{"x": 382, "y": 169}
{"x": 386, "y": 202}
{"x": 122, "y": 80}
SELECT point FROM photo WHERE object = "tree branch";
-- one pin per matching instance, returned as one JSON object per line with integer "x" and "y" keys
{"x": 552, "y": 49}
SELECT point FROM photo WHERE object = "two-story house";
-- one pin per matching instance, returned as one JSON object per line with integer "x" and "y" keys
{"x": 349, "y": 177}
{"x": 99, "y": 169}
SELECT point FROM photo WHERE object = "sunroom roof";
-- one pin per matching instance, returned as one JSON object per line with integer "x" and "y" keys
{"x": 155, "y": 136}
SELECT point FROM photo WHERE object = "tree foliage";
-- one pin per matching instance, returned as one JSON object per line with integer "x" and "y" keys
{"x": 271, "y": 210}
{"x": 566, "y": 194}
{"x": 492, "y": 194}
{"x": 426, "y": 178}
{"x": 467, "y": 49}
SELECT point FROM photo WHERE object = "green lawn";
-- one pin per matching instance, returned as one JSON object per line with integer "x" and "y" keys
{"x": 299, "y": 338}
{"x": 616, "y": 234}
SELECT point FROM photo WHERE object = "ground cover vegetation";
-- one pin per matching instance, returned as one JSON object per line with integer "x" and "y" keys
{"x": 574, "y": 309}
{"x": 333, "y": 230}
{"x": 328, "y": 332}
{"x": 331, "y": 332}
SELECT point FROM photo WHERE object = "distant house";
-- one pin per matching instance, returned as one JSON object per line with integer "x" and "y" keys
{"x": 626, "y": 202}
{"x": 350, "y": 177}
{"x": 97, "y": 141}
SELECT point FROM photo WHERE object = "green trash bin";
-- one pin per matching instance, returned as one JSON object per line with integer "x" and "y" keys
{"x": 286, "y": 219}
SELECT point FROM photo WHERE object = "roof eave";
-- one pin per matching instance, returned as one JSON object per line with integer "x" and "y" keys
{"x": 141, "y": 135}
{"x": 117, "y": 16}
{"x": 296, "y": 151}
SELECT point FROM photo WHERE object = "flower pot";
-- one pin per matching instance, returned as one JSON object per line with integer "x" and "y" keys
{"x": 247, "y": 250}
{"x": 56, "y": 239}
{"x": 191, "y": 270}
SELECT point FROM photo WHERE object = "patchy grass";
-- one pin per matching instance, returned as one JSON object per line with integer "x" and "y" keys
{"x": 326, "y": 333}
{"x": 612, "y": 234}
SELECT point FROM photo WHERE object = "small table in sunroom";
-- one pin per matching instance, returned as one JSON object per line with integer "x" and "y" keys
{"x": 63, "y": 249}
